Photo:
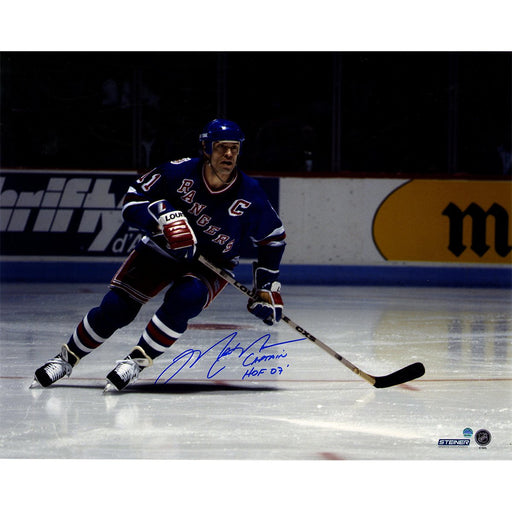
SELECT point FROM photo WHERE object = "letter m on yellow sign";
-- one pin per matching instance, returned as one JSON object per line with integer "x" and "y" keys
{"x": 479, "y": 229}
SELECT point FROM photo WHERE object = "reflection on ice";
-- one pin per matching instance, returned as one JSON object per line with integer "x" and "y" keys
{"x": 315, "y": 409}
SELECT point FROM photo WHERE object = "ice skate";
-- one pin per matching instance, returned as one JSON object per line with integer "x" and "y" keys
{"x": 60, "y": 366}
{"x": 127, "y": 370}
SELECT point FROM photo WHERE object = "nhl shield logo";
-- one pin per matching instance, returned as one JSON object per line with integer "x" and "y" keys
{"x": 483, "y": 437}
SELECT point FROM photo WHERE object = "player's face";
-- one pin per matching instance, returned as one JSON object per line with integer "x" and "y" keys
{"x": 224, "y": 155}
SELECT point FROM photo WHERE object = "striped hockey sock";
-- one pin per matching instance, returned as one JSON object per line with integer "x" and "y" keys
{"x": 84, "y": 339}
{"x": 157, "y": 337}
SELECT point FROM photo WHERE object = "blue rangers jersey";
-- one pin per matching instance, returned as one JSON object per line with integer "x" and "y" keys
{"x": 221, "y": 219}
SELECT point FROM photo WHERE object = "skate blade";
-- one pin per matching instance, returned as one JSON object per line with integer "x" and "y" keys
{"x": 35, "y": 384}
{"x": 109, "y": 388}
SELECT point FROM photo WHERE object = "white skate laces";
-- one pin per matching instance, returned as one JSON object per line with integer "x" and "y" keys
{"x": 127, "y": 370}
{"x": 56, "y": 368}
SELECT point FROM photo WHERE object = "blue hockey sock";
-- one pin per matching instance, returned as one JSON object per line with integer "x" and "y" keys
{"x": 115, "y": 311}
{"x": 183, "y": 301}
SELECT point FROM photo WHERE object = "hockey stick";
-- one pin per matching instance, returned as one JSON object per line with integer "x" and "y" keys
{"x": 413, "y": 371}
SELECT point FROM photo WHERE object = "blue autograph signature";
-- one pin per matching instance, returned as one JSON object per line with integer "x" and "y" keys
{"x": 249, "y": 356}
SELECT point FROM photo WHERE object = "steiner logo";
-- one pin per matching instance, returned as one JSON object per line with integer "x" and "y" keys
{"x": 63, "y": 213}
{"x": 453, "y": 442}
{"x": 452, "y": 221}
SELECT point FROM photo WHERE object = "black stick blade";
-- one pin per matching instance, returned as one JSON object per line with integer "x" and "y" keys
{"x": 411, "y": 372}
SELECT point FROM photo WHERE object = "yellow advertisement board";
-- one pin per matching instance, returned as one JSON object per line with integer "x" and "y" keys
{"x": 446, "y": 221}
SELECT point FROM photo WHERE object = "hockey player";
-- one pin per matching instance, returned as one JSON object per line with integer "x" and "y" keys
{"x": 187, "y": 207}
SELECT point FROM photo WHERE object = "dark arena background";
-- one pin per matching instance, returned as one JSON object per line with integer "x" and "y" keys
{"x": 388, "y": 113}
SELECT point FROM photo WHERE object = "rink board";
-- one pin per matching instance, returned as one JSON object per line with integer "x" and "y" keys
{"x": 66, "y": 226}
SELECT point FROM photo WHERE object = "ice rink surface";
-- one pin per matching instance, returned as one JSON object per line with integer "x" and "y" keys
{"x": 233, "y": 389}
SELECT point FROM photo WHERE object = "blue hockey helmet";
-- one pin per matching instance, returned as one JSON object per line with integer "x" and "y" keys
{"x": 220, "y": 129}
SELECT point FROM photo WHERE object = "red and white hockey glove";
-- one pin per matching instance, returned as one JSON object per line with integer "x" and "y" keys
{"x": 269, "y": 304}
{"x": 180, "y": 237}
